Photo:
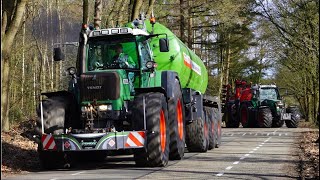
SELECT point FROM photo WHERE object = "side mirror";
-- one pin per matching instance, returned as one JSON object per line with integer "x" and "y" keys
{"x": 164, "y": 45}
{"x": 57, "y": 54}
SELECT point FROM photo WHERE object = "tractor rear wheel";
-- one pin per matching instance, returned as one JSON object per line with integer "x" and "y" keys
{"x": 244, "y": 115}
{"x": 197, "y": 135}
{"x": 231, "y": 116}
{"x": 295, "y": 117}
{"x": 264, "y": 118}
{"x": 156, "y": 151}
{"x": 176, "y": 119}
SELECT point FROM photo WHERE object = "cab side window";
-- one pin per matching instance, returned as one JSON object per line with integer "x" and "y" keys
{"x": 144, "y": 53}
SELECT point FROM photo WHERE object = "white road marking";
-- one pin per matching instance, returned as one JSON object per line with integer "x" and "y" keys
{"x": 54, "y": 179}
{"x": 286, "y": 134}
{"x": 246, "y": 155}
{"x": 268, "y": 134}
{"x": 279, "y": 134}
{"x": 256, "y": 134}
{"x": 220, "y": 174}
{"x": 78, "y": 173}
{"x": 244, "y": 134}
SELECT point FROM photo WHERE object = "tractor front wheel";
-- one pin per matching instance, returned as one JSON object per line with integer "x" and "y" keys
{"x": 295, "y": 117}
{"x": 177, "y": 124}
{"x": 264, "y": 118}
{"x": 156, "y": 151}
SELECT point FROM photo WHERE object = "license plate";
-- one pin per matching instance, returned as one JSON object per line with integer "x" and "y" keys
{"x": 286, "y": 116}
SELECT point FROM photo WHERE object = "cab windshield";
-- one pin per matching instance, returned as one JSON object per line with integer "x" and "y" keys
{"x": 111, "y": 53}
{"x": 269, "y": 93}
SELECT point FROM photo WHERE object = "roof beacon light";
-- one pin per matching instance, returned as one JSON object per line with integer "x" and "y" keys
{"x": 152, "y": 21}
{"x": 152, "y": 18}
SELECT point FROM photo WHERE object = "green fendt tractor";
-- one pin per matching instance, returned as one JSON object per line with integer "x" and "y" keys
{"x": 136, "y": 89}
{"x": 257, "y": 106}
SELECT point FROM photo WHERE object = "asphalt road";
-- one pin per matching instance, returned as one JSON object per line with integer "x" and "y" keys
{"x": 244, "y": 154}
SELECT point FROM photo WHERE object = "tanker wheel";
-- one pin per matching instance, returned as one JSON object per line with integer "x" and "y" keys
{"x": 264, "y": 118}
{"x": 218, "y": 122}
{"x": 295, "y": 117}
{"x": 244, "y": 115}
{"x": 197, "y": 136}
{"x": 212, "y": 137}
{"x": 156, "y": 151}
{"x": 176, "y": 119}
{"x": 231, "y": 116}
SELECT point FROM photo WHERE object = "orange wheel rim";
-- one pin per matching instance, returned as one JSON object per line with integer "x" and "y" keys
{"x": 162, "y": 131}
{"x": 206, "y": 129}
{"x": 180, "y": 119}
{"x": 212, "y": 127}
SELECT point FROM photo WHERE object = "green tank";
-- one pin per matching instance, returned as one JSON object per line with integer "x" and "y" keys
{"x": 192, "y": 72}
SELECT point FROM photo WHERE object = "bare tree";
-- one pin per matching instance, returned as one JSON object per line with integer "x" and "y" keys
{"x": 11, "y": 18}
{"x": 97, "y": 14}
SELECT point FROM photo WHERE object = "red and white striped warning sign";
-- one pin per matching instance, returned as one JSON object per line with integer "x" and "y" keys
{"x": 48, "y": 142}
{"x": 136, "y": 139}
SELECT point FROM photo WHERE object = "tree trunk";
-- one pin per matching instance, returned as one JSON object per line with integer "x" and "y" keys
{"x": 7, "y": 42}
{"x": 85, "y": 13}
{"x": 121, "y": 12}
{"x": 190, "y": 33}
{"x": 136, "y": 9}
{"x": 182, "y": 20}
{"x": 228, "y": 59}
{"x": 150, "y": 8}
{"x": 97, "y": 14}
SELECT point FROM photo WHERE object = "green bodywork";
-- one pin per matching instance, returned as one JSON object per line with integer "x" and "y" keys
{"x": 190, "y": 68}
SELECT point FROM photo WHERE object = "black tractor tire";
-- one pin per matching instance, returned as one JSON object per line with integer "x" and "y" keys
{"x": 231, "y": 118}
{"x": 295, "y": 117}
{"x": 277, "y": 122}
{"x": 197, "y": 135}
{"x": 264, "y": 118}
{"x": 212, "y": 137}
{"x": 177, "y": 123}
{"x": 50, "y": 159}
{"x": 156, "y": 151}
{"x": 244, "y": 115}
{"x": 217, "y": 125}
{"x": 59, "y": 112}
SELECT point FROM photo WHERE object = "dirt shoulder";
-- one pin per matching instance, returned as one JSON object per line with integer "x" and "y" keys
{"x": 19, "y": 153}
{"x": 309, "y": 154}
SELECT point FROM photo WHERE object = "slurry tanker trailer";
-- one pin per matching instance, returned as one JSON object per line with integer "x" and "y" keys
{"x": 135, "y": 89}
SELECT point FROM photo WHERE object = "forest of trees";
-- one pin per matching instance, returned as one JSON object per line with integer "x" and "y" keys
{"x": 261, "y": 41}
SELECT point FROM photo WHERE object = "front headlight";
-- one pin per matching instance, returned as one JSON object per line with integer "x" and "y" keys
{"x": 105, "y": 107}
{"x": 280, "y": 104}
